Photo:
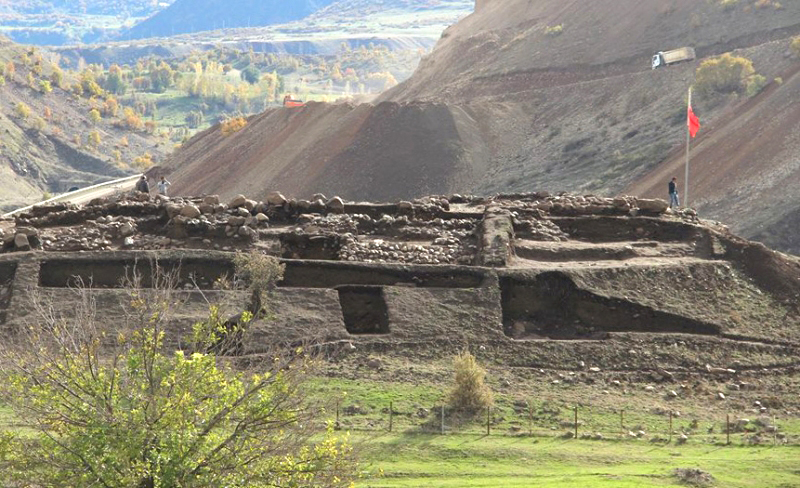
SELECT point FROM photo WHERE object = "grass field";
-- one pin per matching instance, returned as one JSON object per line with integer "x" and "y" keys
{"x": 415, "y": 454}
{"x": 478, "y": 461}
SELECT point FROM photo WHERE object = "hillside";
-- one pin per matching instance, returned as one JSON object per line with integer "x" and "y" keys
{"x": 186, "y": 16}
{"x": 538, "y": 95}
{"x": 50, "y": 142}
{"x": 745, "y": 167}
{"x": 55, "y": 22}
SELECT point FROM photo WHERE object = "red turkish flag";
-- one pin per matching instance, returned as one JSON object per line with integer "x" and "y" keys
{"x": 693, "y": 122}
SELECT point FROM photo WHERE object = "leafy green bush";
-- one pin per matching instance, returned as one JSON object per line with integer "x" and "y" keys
{"x": 723, "y": 75}
{"x": 755, "y": 84}
{"x": 118, "y": 408}
{"x": 470, "y": 394}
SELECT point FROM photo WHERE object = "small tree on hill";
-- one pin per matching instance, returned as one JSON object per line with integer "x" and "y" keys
{"x": 470, "y": 394}
{"x": 94, "y": 116}
{"x": 93, "y": 139}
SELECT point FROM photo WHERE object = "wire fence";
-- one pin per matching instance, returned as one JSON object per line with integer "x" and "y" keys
{"x": 573, "y": 422}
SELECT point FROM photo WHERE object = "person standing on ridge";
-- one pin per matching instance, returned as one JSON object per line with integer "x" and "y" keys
{"x": 673, "y": 193}
{"x": 162, "y": 186}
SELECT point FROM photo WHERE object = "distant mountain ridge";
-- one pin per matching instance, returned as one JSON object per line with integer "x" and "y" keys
{"x": 186, "y": 16}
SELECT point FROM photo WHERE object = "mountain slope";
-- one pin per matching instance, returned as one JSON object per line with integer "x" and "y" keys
{"x": 553, "y": 95}
{"x": 44, "y": 146}
{"x": 745, "y": 167}
{"x": 186, "y": 16}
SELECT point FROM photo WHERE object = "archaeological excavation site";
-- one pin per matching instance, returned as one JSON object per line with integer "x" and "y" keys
{"x": 544, "y": 281}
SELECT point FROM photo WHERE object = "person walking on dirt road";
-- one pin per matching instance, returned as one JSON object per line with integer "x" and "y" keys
{"x": 673, "y": 193}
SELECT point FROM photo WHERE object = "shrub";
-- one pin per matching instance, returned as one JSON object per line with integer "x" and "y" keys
{"x": 39, "y": 124}
{"x": 131, "y": 120}
{"x": 755, "y": 84}
{"x": 261, "y": 273}
{"x": 143, "y": 162}
{"x": 723, "y": 75}
{"x": 470, "y": 394}
{"x": 94, "y": 116}
{"x": 118, "y": 408}
{"x": 45, "y": 87}
{"x": 22, "y": 110}
{"x": 250, "y": 75}
{"x": 795, "y": 46}
{"x": 93, "y": 139}
{"x": 194, "y": 119}
{"x": 57, "y": 77}
{"x": 554, "y": 30}
{"x": 232, "y": 124}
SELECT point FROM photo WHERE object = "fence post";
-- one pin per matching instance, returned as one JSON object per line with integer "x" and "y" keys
{"x": 488, "y": 420}
{"x": 728, "y": 429}
{"x": 391, "y": 411}
{"x": 670, "y": 426}
{"x": 774, "y": 431}
{"x": 576, "y": 422}
{"x": 442, "y": 419}
{"x": 530, "y": 419}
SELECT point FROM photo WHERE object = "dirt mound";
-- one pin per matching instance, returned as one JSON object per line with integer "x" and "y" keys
{"x": 412, "y": 150}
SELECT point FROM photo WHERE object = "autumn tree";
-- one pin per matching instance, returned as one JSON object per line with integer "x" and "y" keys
{"x": 114, "y": 81}
{"x": 161, "y": 77}
{"x": 93, "y": 139}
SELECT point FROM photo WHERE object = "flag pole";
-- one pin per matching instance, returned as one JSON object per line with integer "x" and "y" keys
{"x": 688, "y": 142}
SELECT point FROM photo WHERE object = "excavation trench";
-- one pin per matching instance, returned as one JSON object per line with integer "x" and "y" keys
{"x": 364, "y": 309}
{"x": 118, "y": 273}
{"x": 552, "y": 306}
{"x": 617, "y": 229}
{"x": 7, "y": 273}
{"x": 320, "y": 274}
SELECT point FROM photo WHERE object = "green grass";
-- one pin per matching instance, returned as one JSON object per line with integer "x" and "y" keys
{"x": 476, "y": 461}
{"x": 465, "y": 457}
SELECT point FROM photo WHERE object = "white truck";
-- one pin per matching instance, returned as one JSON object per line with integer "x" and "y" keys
{"x": 666, "y": 58}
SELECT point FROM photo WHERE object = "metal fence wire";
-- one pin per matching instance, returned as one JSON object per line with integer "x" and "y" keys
{"x": 584, "y": 422}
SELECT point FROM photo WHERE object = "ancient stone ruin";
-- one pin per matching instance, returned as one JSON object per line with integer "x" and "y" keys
{"x": 524, "y": 272}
